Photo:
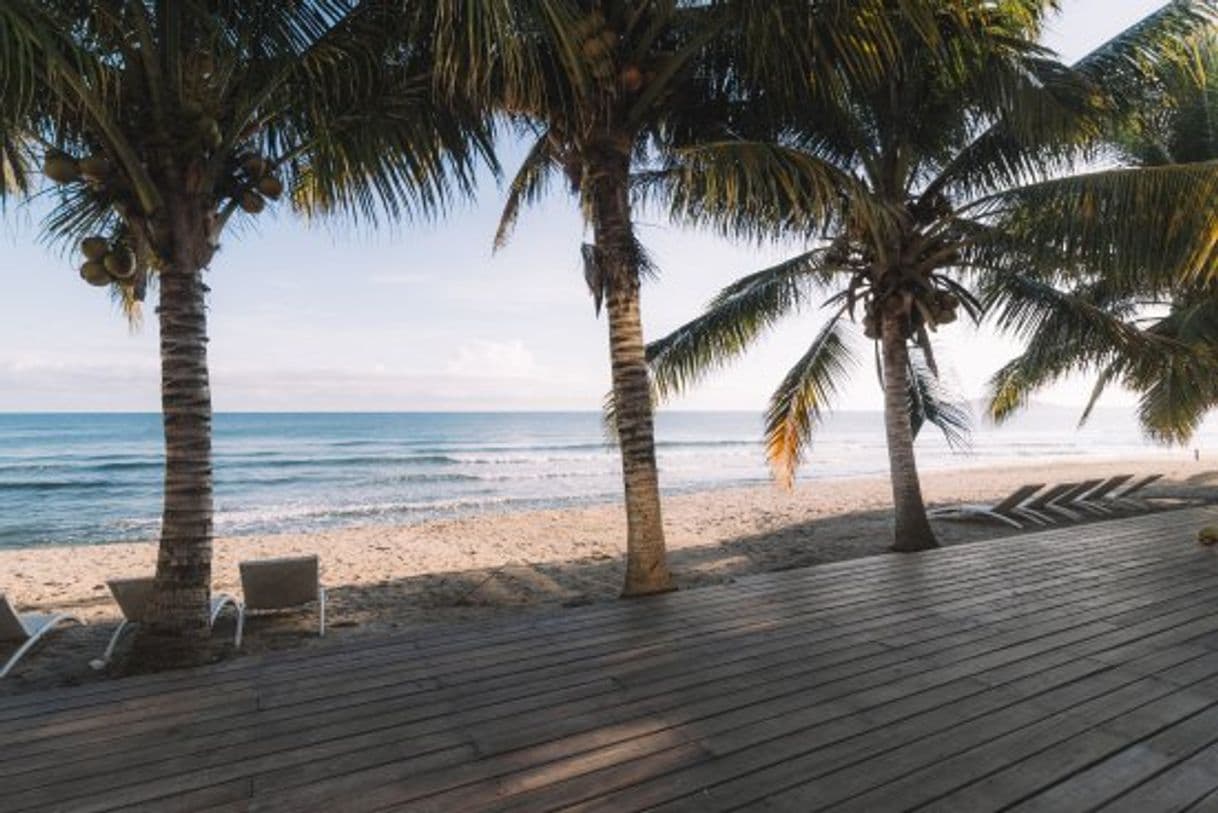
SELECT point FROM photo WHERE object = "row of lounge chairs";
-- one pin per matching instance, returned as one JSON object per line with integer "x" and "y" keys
{"x": 1039, "y": 504}
{"x": 267, "y": 585}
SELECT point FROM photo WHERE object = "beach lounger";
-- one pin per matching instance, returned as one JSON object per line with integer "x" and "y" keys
{"x": 1067, "y": 503}
{"x": 273, "y": 585}
{"x": 1004, "y": 511}
{"x": 133, "y": 597}
{"x": 1127, "y": 498}
{"x": 1039, "y": 507}
{"x": 1094, "y": 500}
{"x": 27, "y": 629}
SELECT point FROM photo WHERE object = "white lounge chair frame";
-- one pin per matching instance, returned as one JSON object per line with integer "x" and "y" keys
{"x": 276, "y": 585}
{"x": 1003, "y": 511}
{"x": 1066, "y": 503}
{"x": 1094, "y": 499}
{"x": 132, "y": 596}
{"x": 1127, "y": 497}
{"x": 29, "y": 627}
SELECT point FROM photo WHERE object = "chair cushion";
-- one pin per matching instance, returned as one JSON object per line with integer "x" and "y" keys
{"x": 133, "y": 596}
{"x": 276, "y": 584}
{"x": 11, "y": 628}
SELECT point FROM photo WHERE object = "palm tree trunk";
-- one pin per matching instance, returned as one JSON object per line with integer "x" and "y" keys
{"x": 912, "y": 531}
{"x": 646, "y": 559}
{"x": 177, "y": 631}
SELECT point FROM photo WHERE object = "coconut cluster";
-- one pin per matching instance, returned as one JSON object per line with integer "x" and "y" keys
{"x": 62, "y": 168}
{"x": 258, "y": 183}
{"x": 107, "y": 262}
{"x": 925, "y": 309}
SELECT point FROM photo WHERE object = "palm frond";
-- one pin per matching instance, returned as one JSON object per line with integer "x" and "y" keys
{"x": 735, "y": 318}
{"x": 760, "y": 190}
{"x": 528, "y": 186}
{"x": 1144, "y": 226}
{"x": 931, "y": 403}
{"x": 1126, "y": 65}
{"x": 796, "y": 408}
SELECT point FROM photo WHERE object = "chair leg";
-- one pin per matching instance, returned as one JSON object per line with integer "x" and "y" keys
{"x": 46, "y": 629}
{"x": 1000, "y": 518}
{"x": 101, "y": 662}
{"x": 321, "y": 598}
{"x": 219, "y": 602}
{"x": 237, "y": 636}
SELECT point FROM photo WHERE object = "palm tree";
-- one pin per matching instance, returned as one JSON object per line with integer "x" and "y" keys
{"x": 595, "y": 85}
{"x": 915, "y": 186}
{"x": 604, "y": 87}
{"x": 1156, "y": 336}
{"x": 164, "y": 121}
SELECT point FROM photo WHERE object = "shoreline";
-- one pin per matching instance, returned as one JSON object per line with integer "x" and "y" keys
{"x": 509, "y": 507}
{"x": 386, "y": 578}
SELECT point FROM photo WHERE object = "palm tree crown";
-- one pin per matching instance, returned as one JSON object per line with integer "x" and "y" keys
{"x": 1154, "y": 335}
{"x": 951, "y": 168}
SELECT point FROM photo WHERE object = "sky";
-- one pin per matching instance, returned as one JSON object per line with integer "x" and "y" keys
{"x": 424, "y": 316}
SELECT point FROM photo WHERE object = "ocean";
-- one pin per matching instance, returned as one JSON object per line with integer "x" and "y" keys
{"x": 96, "y": 478}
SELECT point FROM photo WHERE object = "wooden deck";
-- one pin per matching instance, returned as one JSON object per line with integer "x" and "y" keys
{"x": 1064, "y": 671}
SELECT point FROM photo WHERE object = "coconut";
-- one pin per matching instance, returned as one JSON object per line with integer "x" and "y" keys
{"x": 948, "y": 300}
{"x": 270, "y": 186}
{"x": 94, "y": 273}
{"x": 60, "y": 167}
{"x": 252, "y": 202}
{"x": 871, "y": 327}
{"x": 593, "y": 48}
{"x": 631, "y": 78}
{"x": 946, "y": 316}
{"x": 94, "y": 248}
{"x": 120, "y": 264}
{"x": 255, "y": 165}
{"x": 96, "y": 167}
{"x": 1208, "y": 535}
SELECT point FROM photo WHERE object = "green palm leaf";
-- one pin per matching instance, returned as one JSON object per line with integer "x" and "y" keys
{"x": 1144, "y": 226}
{"x": 733, "y": 320}
{"x": 931, "y": 403}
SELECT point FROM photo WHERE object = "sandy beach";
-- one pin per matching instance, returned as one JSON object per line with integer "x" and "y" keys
{"x": 385, "y": 579}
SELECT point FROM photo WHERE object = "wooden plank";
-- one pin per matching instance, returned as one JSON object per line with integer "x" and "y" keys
{"x": 789, "y": 749}
{"x": 1181, "y": 786}
{"x": 369, "y": 778}
{"x": 943, "y": 767}
{"x": 1111, "y": 773}
{"x": 813, "y": 760}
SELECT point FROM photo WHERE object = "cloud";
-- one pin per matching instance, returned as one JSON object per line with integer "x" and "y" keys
{"x": 399, "y": 278}
{"x": 489, "y": 359}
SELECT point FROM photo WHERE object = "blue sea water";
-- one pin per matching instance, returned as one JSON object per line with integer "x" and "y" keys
{"x": 93, "y": 478}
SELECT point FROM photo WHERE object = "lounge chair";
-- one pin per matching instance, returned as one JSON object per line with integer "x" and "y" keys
{"x": 1127, "y": 498}
{"x": 1067, "y": 503}
{"x": 1042, "y": 507}
{"x": 273, "y": 585}
{"x": 1003, "y": 511}
{"x": 27, "y": 629}
{"x": 133, "y": 597}
{"x": 1094, "y": 500}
